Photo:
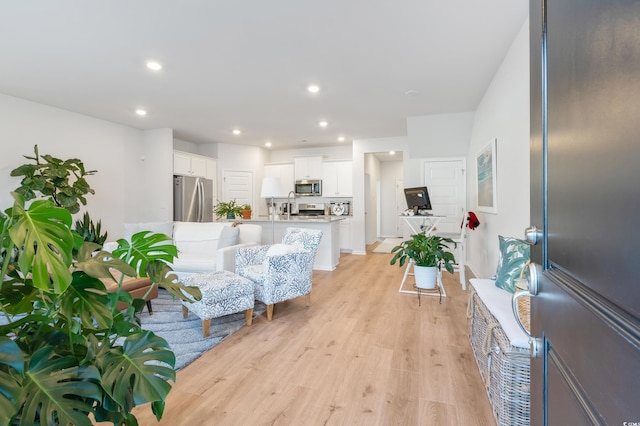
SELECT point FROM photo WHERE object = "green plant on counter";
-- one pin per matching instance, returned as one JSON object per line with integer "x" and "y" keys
{"x": 229, "y": 209}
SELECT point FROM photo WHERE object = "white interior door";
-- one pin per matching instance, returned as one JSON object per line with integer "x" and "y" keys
{"x": 238, "y": 184}
{"x": 446, "y": 182}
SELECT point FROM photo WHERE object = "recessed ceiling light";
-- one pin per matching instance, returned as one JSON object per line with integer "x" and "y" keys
{"x": 323, "y": 124}
{"x": 341, "y": 139}
{"x": 236, "y": 131}
{"x": 392, "y": 153}
{"x": 411, "y": 92}
{"x": 141, "y": 112}
{"x": 154, "y": 66}
{"x": 267, "y": 144}
{"x": 313, "y": 88}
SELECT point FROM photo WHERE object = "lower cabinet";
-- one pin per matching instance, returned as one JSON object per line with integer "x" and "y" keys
{"x": 346, "y": 243}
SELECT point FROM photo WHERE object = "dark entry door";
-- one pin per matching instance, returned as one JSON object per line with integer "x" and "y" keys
{"x": 585, "y": 189}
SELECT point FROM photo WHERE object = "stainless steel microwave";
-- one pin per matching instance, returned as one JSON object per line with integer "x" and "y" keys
{"x": 308, "y": 187}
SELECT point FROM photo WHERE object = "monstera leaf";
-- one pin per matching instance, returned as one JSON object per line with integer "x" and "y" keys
{"x": 145, "y": 247}
{"x": 162, "y": 274}
{"x": 11, "y": 358}
{"x": 100, "y": 264}
{"x": 138, "y": 371}
{"x": 87, "y": 300}
{"x": 43, "y": 238}
{"x": 55, "y": 390}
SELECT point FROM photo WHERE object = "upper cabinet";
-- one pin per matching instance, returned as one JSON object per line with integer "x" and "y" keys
{"x": 337, "y": 179}
{"x": 189, "y": 164}
{"x": 307, "y": 168}
{"x": 284, "y": 174}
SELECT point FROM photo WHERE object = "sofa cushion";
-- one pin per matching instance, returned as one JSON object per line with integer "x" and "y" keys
{"x": 228, "y": 236}
{"x": 198, "y": 238}
{"x": 514, "y": 254}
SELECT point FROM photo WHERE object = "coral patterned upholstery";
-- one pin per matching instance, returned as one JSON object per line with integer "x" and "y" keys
{"x": 280, "y": 271}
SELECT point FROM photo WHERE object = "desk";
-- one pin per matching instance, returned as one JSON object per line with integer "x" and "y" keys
{"x": 422, "y": 225}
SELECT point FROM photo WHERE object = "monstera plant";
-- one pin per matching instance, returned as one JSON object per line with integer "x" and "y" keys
{"x": 67, "y": 355}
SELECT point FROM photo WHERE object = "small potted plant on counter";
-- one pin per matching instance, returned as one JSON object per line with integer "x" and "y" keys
{"x": 246, "y": 211}
{"x": 428, "y": 253}
{"x": 229, "y": 209}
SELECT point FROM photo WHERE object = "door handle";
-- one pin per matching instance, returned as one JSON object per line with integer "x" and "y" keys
{"x": 535, "y": 343}
{"x": 533, "y": 235}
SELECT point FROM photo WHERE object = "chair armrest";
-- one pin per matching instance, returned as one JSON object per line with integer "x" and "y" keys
{"x": 255, "y": 255}
{"x": 226, "y": 256}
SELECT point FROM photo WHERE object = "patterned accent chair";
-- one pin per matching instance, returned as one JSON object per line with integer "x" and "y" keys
{"x": 280, "y": 271}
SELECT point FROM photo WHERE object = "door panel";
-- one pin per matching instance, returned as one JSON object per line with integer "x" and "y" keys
{"x": 585, "y": 57}
{"x": 446, "y": 184}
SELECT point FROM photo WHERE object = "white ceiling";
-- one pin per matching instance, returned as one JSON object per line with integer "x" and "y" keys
{"x": 247, "y": 64}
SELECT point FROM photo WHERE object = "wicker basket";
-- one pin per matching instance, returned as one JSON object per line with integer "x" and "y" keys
{"x": 524, "y": 302}
{"x": 504, "y": 368}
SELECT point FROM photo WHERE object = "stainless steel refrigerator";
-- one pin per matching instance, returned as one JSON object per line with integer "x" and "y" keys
{"x": 192, "y": 199}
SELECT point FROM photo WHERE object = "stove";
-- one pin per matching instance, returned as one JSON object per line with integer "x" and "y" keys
{"x": 317, "y": 209}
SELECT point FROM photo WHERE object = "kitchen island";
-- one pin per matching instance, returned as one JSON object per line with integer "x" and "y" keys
{"x": 328, "y": 255}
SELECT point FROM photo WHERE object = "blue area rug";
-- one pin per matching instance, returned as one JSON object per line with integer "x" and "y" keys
{"x": 184, "y": 335}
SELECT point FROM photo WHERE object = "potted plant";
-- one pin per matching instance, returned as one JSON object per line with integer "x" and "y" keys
{"x": 67, "y": 354}
{"x": 246, "y": 211}
{"x": 229, "y": 209}
{"x": 428, "y": 252}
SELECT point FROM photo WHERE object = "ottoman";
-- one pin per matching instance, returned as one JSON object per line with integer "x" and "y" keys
{"x": 223, "y": 293}
{"x": 138, "y": 287}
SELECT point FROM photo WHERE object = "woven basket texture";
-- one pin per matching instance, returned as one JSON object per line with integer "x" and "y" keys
{"x": 505, "y": 369}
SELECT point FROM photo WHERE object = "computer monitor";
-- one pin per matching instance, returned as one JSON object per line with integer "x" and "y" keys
{"x": 418, "y": 199}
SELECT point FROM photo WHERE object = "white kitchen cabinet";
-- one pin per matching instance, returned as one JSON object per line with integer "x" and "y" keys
{"x": 189, "y": 164}
{"x": 345, "y": 235}
{"x": 307, "y": 168}
{"x": 212, "y": 173}
{"x": 284, "y": 174}
{"x": 337, "y": 179}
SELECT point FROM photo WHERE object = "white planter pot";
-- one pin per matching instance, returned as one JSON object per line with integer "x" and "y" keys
{"x": 425, "y": 276}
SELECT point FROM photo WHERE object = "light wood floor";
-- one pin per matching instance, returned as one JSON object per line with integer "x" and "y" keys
{"x": 361, "y": 354}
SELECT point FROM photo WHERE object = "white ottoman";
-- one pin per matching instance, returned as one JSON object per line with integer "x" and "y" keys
{"x": 223, "y": 293}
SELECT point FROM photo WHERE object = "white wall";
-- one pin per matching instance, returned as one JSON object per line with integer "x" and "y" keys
{"x": 113, "y": 150}
{"x": 503, "y": 113}
{"x": 441, "y": 135}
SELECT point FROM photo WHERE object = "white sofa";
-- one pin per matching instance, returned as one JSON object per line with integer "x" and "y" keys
{"x": 202, "y": 246}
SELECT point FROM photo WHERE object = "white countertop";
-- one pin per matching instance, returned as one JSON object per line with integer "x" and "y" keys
{"x": 297, "y": 219}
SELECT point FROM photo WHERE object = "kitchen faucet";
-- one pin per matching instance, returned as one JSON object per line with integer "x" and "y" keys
{"x": 289, "y": 204}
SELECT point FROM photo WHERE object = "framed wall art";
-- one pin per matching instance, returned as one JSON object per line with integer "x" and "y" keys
{"x": 486, "y": 178}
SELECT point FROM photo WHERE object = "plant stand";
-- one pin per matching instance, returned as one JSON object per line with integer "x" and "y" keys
{"x": 440, "y": 293}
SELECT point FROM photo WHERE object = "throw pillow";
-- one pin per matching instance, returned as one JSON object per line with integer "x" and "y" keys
{"x": 514, "y": 254}
{"x": 280, "y": 249}
{"x": 228, "y": 236}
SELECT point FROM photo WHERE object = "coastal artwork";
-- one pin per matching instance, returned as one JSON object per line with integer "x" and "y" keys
{"x": 486, "y": 178}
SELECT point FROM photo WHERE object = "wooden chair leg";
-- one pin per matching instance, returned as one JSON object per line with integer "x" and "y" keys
{"x": 185, "y": 311}
{"x": 248, "y": 316}
{"x": 269, "y": 312}
{"x": 206, "y": 325}
{"x": 149, "y": 307}
{"x": 309, "y": 299}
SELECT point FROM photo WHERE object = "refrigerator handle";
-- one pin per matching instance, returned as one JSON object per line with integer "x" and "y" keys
{"x": 200, "y": 199}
